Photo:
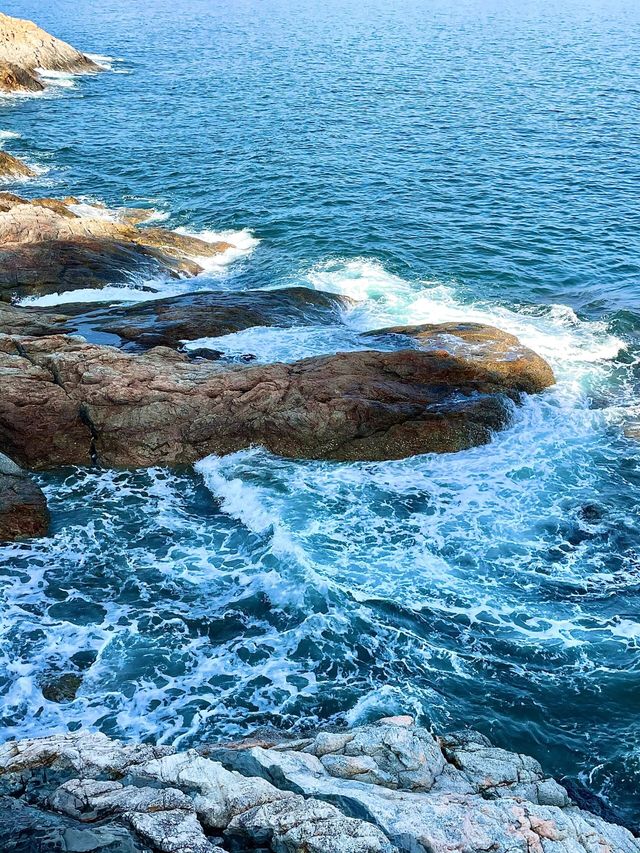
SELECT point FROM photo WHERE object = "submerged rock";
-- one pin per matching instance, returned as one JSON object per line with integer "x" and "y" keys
{"x": 28, "y": 47}
{"x": 61, "y": 687}
{"x": 52, "y": 245}
{"x": 379, "y": 788}
{"x": 168, "y": 322}
{"x": 23, "y": 506}
{"x": 12, "y": 168}
{"x": 69, "y": 402}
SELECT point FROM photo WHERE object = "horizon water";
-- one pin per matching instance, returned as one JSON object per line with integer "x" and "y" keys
{"x": 435, "y": 161}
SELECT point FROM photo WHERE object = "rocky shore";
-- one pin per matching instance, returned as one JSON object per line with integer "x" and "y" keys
{"x": 26, "y": 49}
{"x": 70, "y": 398}
{"x": 380, "y": 788}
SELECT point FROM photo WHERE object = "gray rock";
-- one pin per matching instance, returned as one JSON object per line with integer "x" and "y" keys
{"x": 171, "y": 831}
{"x": 376, "y": 789}
{"x": 298, "y": 825}
{"x": 385, "y": 754}
{"x": 89, "y": 800}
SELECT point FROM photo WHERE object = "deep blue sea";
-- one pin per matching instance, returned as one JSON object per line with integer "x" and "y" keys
{"x": 436, "y": 160}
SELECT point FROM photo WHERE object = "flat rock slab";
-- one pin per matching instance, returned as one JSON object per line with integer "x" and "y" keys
{"x": 69, "y": 402}
{"x": 168, "y": 322}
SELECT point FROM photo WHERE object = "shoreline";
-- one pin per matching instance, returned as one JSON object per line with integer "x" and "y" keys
{"x": 386, "y": 787}
{"x": 534, "y": 830}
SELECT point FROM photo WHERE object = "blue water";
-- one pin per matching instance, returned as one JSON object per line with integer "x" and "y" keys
{"x": 435, "y": 160}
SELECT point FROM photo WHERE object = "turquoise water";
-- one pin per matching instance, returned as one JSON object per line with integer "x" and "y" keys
{"x": 435, "y": 160}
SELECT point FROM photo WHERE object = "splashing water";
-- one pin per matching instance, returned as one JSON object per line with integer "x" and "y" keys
{"x": 430, "y": 166}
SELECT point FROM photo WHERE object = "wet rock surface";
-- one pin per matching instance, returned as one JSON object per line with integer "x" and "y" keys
{"x": 388, "y": 786}
{"x": 23, "y": 506}
{"x": 492, "y": 349}
{"x": 13, "y": 78}
{"x": 53, "y": 245}
{"x": 69, "y": 402}
{"x": 168, "y": 322}
{"x": 11, "y": 167}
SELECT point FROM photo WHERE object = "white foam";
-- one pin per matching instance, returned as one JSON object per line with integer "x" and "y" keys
{"x": 273, "y": 343}
{"x": 8, "y": 134}
{"x": 62, "y": 79}
{"x": 243, "y": 243}
{"x": 571, "y": 345}
{"x": 154, "y": 289}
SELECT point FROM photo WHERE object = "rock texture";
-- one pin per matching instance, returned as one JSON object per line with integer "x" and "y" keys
{"x": 53, "y": 245}
{"x": 168, "y": 322}
{"x": 381, "y": 788}
{"x": 492, "y": 349}
{"x": 23, "y": 506}
{"x": 16, "y": 79}
{"x": 68, "y": 402}
{"x": 12, "y": 168}
{"x": 26, "y": 46}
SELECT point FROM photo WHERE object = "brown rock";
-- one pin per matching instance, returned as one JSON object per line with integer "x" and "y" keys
{"x": 65, "y": 401}
{"x": 11, "y": 167}
{"x": 23, "y": 506}
{"x": 61, "y": 687}
{"x": 13, "y": 78}
{"x": 499, "y": 356}
{"x": 33, "y": 322}
{"x": 45, "y": 247}
{"x": 24, "y": 44}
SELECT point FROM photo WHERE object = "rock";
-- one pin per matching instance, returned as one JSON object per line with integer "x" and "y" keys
{"x": 459, "y": 812}
{"x": 26, "y": 829}
{"x": 27, "y": 46}
{"x": 12, "y": 168}
{"x": 395, "y": 756}
{"x": 220, "y": 795}
{"x": 23, "y": 506}
{"x": 69, "y": 402}
{"x": 299, "y": 825}
{"x": 168, "y": 322}
{"x": 87, "y": 754}
{"x": 48, "y": 246}
{"x": 171, "y": 831}
{"x": 287, "y": 800}
{"x": 501, "y": 773}
{"x": 13, "y": 78}
{"x": 62, "y": 687}
{"x": 496, "y": 353}
{"x": 32, "y": 322}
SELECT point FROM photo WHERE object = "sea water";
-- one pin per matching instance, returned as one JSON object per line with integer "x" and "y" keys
{"x": 434, "y": 161}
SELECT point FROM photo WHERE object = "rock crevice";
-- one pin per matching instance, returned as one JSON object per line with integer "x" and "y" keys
{"x": 379, "y": 788}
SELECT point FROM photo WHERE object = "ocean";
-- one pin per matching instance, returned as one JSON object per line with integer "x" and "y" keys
{"x": 434, "y": 160}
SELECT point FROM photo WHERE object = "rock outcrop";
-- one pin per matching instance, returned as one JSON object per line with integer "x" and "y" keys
{"x": 12, "y": 168}
{"x": 492, "y": 349}
{"x": 16, "y": 79}
{"x": 23, "y": 506}
{"x": 54, "y": 245}
{"x": 25, "y": 48}
{"x": 69, "y": 402}
{"x": 169, "y": 322}
{"x": 390, "y": 787}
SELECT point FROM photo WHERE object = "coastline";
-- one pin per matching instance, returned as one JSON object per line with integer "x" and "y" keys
{"x": 520, "y": 810}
